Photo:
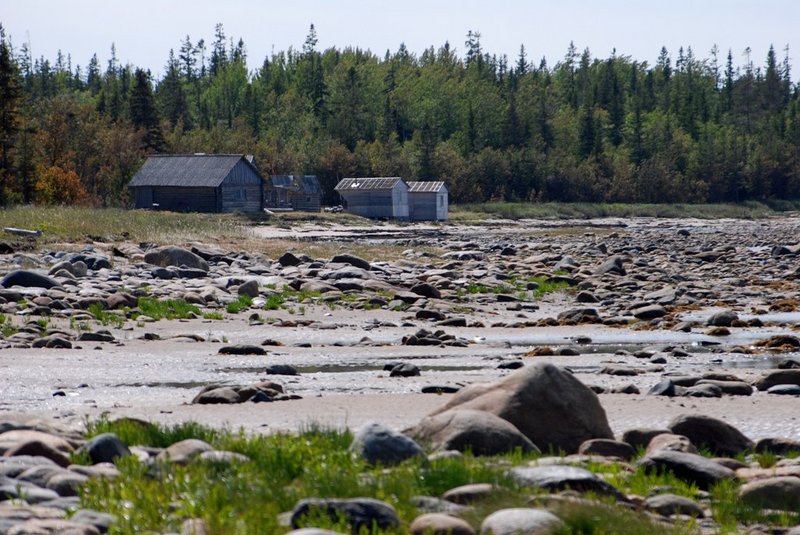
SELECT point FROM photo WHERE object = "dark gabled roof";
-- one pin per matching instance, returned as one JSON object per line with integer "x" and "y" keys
{"x": 379, "y": 183}
{"x": 195, "y": 170}
{"x": 282, "y": 181}
{"x": 425, "y": 186}
{"x": 309, "y": 184}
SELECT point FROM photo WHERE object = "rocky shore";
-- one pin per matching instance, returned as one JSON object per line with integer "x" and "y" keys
{"x": 651, "y": 323}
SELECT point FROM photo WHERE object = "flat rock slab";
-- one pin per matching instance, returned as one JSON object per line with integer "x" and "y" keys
{"x": 688, "y": 467}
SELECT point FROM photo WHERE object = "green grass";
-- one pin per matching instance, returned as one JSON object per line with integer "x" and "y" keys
{"x": 104, "y": 316}
{"x": 746, "y": 210}
{"x": 7, "y": 328}
{"x": 274, "y": 302}
{"x": 546, "y": 286}
{"x": 243, "y": 302}
{"x": 283, "y": 469}
{"x": 167, "y": 308}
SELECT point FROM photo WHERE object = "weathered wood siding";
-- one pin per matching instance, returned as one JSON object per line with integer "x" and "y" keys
{"x": 389, "y": 203}
{"x": 242, "y": 190}
{"x": 305, "y": 202}
{"x": 143, "y": 197}
{"x": 181, "y": 199}
{"x": 400, "y": 200}
{"x": 428, "y": 205}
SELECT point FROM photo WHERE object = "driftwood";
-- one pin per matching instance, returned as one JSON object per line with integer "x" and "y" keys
{"x": 23, "y": 232}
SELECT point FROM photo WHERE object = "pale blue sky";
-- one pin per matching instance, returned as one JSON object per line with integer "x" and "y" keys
{"x": 145, "y": 30}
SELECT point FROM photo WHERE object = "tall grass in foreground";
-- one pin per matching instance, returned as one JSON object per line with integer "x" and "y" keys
{"x": 248, "y": 497}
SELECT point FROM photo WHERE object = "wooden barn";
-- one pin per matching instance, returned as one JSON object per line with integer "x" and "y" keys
{"x": 427, "y": 201}
{"x": 198, "y": 183}
{"x": 375, "y": 197}
{"x": 302, "y": 193}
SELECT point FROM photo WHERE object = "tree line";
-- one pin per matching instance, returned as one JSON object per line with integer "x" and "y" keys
{"x": 585, "y": 129}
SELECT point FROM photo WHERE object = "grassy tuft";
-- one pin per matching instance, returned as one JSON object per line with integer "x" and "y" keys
{"x": 170, "y": 309}
{"x": 243, "y": 302}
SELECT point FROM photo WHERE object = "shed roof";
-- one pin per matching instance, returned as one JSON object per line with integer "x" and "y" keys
{"x": 195, "y": 170}
{"x": 368, "y": 183}
{"x": 426, "y": 186}
{"x": 307, "y": 184}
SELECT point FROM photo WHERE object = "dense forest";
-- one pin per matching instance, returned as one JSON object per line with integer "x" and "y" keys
{"x": 584, "y": 129}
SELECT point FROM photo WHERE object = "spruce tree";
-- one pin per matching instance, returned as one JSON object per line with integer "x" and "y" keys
{"x": 10, "y": 97}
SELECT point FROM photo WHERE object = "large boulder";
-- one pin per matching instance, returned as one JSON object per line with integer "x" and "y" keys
{"x": 28, "y": 279}
{"x": 772, "y": 493}
{"x": 175, "y": 256}
{"x": 717, "y": 436}
{"x": 547, "y": 404}
{"x": 480, "y": 432}
{"x": 520, "y": 521}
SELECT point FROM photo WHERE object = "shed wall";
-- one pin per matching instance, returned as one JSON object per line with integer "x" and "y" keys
{"x": 181, "y": 199}
{"x": 305, "y": 202}
{"x": 369, "y": 203}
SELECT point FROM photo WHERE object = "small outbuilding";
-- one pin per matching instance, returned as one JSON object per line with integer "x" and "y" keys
{"x": 427, "y": 200}
{"x": 302, "y": 193}
{"x": 198, "y": 183}
{"x": 375, "y": 197}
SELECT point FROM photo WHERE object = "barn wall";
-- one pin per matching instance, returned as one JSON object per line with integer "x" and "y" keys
{"x": 182, "y": 199}
{"x": 142, "y": 197}
{"x": 242, "y": 190}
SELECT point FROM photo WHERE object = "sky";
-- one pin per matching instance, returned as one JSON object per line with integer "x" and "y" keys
{"x": 144, "y": 31}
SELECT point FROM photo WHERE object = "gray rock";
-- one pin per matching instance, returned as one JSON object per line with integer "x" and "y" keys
{"x": 722, "y": 319}
{"x": 359, "y": 513}
{"x": 440, "y": 524}
{"x": 613, "y": 265}
{"x": 663, "y": 388}
{"x": 467, "y": 494}
{"x": 28, "y": 279}
{"x": 784, "y": 390}
{"x": 99, "y": 336}
{"x": 378, "y": 444}
{"x": 220, "y": 395}
{"x": 66, "y": 484}
{"x": 42, "y": 526}
{"x": 778, "y": 446}
{"x": 352, "y": 260}
{"x": 688, "y": 467}
{"x": 671, "y": 442}
{"x": 480, "y": 432}
{"x": 281, "y": 369}
{"x": 671, "y": 504}
{"x": 773, "y": 493}
{"x": 288, "y": 259}
{"x": 561, "y": 477}
{"x": 405, "y": 369}
{"x": 731, "y": 388}
{"x": 548, "y": 405}
{"x": 184, "y": 451}
{"x": 778, "y": 377}
{"x": 102, "y": 521}
{"x": 715, "y": 435}
{"x": 175, "y": 256}
{"x": 249, "y": 288}
{"x": 606, "y": 447}
{"x": 639, "y": 438}
{"x": 242, "y": 349}
{"x": 520, "y": 521}
{"x": 650, "y": 312}
{"x": 106, "y": 448}
{"x": 430, "y": 504}
{"x": 426, "y": 290}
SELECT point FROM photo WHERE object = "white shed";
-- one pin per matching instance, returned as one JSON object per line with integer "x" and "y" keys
{"x": 375, "y": 197}
{"x": 427, "y": 200}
